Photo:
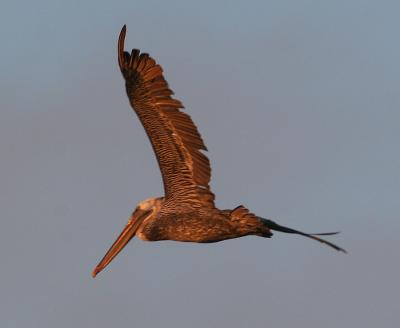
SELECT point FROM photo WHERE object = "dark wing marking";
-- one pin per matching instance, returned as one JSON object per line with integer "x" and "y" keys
{"x": 176, "y": 142}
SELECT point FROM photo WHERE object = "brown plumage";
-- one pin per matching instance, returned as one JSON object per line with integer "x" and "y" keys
{"x": 187, "y": 211}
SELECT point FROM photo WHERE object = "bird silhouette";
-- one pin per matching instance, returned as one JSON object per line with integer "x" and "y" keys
{"x": 187, "y": 212}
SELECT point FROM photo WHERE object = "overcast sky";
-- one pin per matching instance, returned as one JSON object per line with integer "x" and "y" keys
{"x": 298, "y": 103}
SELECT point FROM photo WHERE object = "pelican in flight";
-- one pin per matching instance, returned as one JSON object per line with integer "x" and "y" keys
{"x": 187, "y": 211}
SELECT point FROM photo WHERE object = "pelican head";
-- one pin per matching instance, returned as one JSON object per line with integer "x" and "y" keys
{"x": 144, "y": 211}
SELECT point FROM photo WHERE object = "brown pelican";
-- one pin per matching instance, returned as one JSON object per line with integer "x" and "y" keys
{"x": 187, "y": 211}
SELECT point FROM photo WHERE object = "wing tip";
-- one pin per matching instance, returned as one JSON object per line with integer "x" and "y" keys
{"x": 121, "y": 41}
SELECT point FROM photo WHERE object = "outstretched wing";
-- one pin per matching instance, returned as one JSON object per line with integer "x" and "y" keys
{"x": 176, "y": 142}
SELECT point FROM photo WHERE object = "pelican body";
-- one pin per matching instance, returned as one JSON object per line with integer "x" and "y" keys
{"x": 187, "y": 212}
{"x": 197, "y": 224}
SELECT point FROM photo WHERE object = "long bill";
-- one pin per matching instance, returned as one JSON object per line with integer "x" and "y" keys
{"x": 126, "y": 235}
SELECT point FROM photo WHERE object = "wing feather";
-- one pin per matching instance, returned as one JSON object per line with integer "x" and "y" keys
{"x": 175, "y": 139}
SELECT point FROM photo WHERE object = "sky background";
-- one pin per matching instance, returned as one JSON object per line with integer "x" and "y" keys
{"x": 299, "y": 105}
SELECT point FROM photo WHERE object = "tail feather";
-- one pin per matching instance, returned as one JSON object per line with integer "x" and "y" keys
{"x": 274, "y": 226}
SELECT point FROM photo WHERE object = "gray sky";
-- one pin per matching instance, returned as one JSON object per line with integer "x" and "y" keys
{"x": 298, "y": 103}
